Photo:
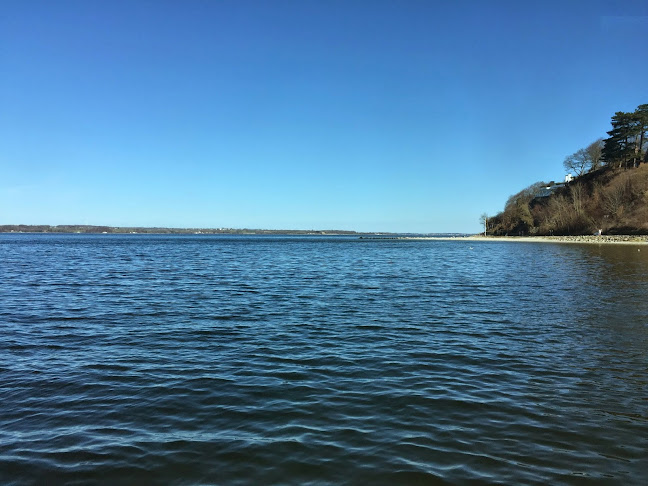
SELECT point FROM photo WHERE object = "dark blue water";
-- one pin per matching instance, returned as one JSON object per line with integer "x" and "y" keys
{"x": 264, "y": 360}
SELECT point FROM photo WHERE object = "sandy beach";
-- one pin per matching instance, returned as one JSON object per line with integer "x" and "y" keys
{"x": 588, "y": 239}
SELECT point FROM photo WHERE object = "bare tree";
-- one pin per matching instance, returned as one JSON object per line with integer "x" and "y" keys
{"x": 577, "y": 162}
{"x": 577, "y": 195}
{"x": 483, "y": 219}
{"x": 586, "y": 159}
{"x": 595, "y": 154}
{"x": 614, "y": 196}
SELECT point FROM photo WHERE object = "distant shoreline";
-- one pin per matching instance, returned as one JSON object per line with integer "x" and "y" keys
{"x": 89, "y": 229}
{"x": 584, "y": 239}
{"x": 124, "y": 230}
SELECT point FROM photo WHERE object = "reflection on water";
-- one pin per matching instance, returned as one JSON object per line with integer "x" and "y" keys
{"x": 333, "y": 360}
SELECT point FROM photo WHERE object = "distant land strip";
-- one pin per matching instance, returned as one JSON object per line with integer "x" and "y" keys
{"x": 83, "y": 228}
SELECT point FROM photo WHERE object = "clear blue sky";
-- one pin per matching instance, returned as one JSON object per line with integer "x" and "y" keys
{"x": 406, "y": 116}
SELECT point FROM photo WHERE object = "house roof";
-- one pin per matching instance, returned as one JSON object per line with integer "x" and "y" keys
{"x": 546, "y": 192}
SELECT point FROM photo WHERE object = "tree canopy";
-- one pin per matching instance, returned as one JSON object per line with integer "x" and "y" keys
{"x": 625, "y": 145}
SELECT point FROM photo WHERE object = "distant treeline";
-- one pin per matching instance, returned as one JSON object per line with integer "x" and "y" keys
{"x": 71, "y": 228}
{"x": 609, "y": 192}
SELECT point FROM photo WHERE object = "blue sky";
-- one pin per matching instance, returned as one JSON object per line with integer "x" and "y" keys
{"x": 405, "y": 116}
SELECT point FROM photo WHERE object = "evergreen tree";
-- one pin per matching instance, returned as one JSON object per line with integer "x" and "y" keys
{"x": 619, "y": 148}
{"x": 641, "y": 117}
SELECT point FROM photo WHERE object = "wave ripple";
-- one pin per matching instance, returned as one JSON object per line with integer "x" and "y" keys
{"x": 261, "y": 360}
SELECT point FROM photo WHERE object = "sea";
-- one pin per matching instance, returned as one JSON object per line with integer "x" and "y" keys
{"x": 306, "y": 360}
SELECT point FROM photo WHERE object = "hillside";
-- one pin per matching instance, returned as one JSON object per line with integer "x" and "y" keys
{"x": 612, "y": 199}
{"x": 609, "y": 194}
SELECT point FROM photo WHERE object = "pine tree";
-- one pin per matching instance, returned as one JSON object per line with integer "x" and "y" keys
{"x": 641, "y": 116}
{"x": 620, "y": 147}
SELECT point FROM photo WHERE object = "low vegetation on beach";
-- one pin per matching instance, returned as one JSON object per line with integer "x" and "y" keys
{"x": 609, "y": 191}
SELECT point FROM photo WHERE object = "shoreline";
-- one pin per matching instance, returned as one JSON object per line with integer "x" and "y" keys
{"x": 583, "y": 239}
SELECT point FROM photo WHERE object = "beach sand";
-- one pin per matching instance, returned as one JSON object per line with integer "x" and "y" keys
{"x": 588, "y": 239}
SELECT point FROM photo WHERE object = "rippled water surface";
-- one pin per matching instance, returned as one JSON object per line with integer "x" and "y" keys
{"x": 263, "y": 360}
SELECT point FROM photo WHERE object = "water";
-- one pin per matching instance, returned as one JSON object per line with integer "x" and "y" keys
{"x": 264, "y": 360}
